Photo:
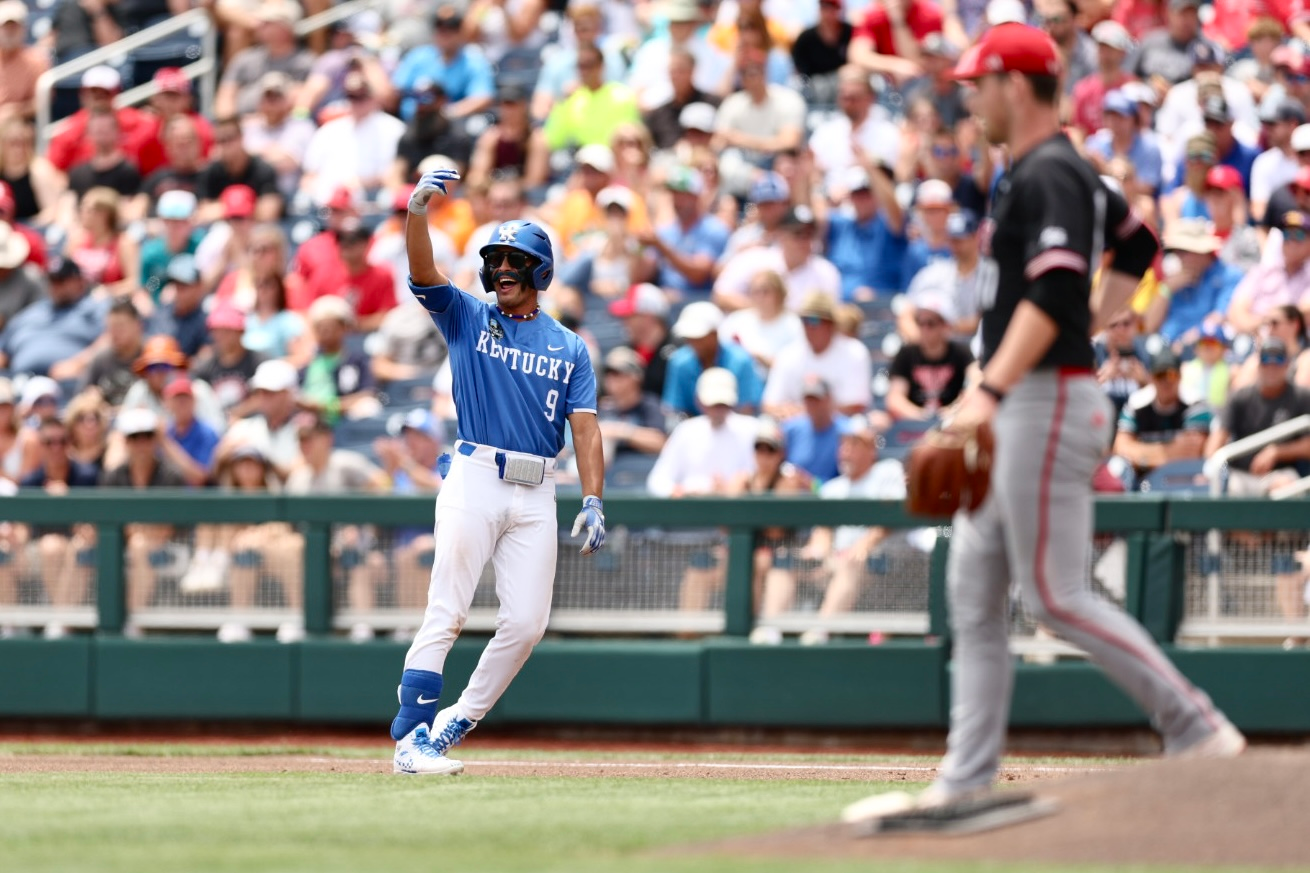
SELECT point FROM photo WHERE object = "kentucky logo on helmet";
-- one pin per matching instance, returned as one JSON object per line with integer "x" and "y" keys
{"x": 509, "y": 233}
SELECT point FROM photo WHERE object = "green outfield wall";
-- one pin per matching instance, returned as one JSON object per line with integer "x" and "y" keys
{"x": 719, "y": 681}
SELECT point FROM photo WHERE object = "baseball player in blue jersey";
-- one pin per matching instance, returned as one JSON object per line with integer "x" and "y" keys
{"x": 518, "y": 377}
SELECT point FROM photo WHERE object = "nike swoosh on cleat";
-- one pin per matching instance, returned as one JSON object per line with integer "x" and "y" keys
{"x": 422, "y": 701}
{"x": 555, "y": 348}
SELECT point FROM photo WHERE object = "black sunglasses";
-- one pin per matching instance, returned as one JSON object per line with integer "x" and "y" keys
{"x": 517, "y": 260}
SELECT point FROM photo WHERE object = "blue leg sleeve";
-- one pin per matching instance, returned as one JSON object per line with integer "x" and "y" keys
{"x": 418, "y": 692}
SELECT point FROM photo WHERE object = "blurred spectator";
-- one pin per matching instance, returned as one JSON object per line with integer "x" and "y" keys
{"x": 590, "y": 113}
{"x": 1112, "y": 46}
{"x": 803, "y": 271}
{"x": 705, "y": 452}
{"x": 770, "y": 197}
{"x": 276, "y": 50}
{"x": 840, "y": 361}
{"x": 227, "y": 248}
{"x": 39, "y": 402}
{"x": 11, "y": 452}
{"x": 355, "y": 151}
{"x": 1287, "y": 136}
{"x": 57, "y": 465}
{"x": 338, "y": 381}
{"x": 265, "y": 265}
{"x": 105, "y": 254}
{"x": 317, "y": 262}
{"x": 58, "y": 334}
{"x": 928, "y": 376}
{"x": 184, "y": 161}
{"x": 957, "y": 280}
{"x": 20, "y": 286}
{"x": 99, "y": 86}
{"x": 765, "y": 327}
{"x": 1077, "y": 50}
{"x": 1275, "y": 282}
{"x": 409, "y": 344}
{"x": 1226, "y": 204}
{"x": 107, "y": 166}
{"x": 157, "y": 366}
{"x": 228, "y": 366}
{"x": 30, "y": 186}
{"x": 273, "y": 428}
{"x": 1292, "y": 197}
{"x": 559, "y": 72}
{"x": 866, "y": 241}
{"x": 1187, "y": 201}
{"x": 1210, "y": 101}
{"x": 944, "y": 161}
{"x": 687, "y": 248}
{"x": 1123, "y": 136}
{"x": 1165, "y": 55}
{"x": 411, "y": 462}
{"x": 276, "y": 136}
{"x": 20, "y": 64}
{"x": 1121, "y": 358}
{"x": 763, "y": 118}
{"x": 843, "y": 553}
{"x": 1200, "y": 287}
{"x": 273, "y": 330}
{"x": 608, "y": 265}
{"x": 813, "y": 435}
{"x": 668, "y": 121}
{"x": 820, "y": 50}
{"x": 172, "y": 100}
{"x": 1285, "y": 323}
{"x": 698, "y": 327}
{"x": 388, "y": 246}
{"x": 650, "y": 73}
{"x": 233, "y": 165}
{"x": 645, "y": 313}
{"x": 510, "y": 148}
{"x": 1232, "y": 151}
{"x": 176, "y": 211}
{"x": 887, "y": 37}
{"x": 580, "y": 217}
{"x": 1271, "y": 400}
{"x": 430, "y": 131}
{"x": 934, "y": 202}
{"x": 1205, "y": 378}
{"x": 938, "y": 84}
{"x": 1157, "y": 426}
{"x": 111, "y": 370}
{"x": 631, "y": 420}
{"x": 370, "y": 289}
{"x": 326, "y": 84}
{"x": 183, "y": 316}
{"x": 188, "y": 442}
{"x": 87, "y": 419}
{"x": 462, "y": 71}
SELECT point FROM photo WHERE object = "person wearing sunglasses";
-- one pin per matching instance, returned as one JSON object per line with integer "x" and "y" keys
{"x": 518, "y": 377}
{"x": 928, "y": 376}
{"x": 1275, "y": 282}
{"x": 1285, "y": 323}
{"x": 1160, "y": 426}
{"x": 463, "y": 71}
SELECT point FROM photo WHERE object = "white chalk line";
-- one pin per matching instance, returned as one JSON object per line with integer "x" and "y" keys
{"x": 719, "y": 765}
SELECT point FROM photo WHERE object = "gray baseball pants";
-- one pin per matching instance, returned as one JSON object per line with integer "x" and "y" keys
{"x": 1035, "y": 528}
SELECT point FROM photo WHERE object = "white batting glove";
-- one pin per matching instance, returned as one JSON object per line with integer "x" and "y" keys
{"x": 430, "y": 184}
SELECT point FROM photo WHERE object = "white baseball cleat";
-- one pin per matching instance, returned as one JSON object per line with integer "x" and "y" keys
{"x": 449, "y": 729}
{"x": 416, "y": 756}
{"x": 879, "y": 806}
{"x": 1226, "y": 742}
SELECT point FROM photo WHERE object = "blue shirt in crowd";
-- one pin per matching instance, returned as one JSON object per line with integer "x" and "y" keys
{"x": 919, "y": 254}
{"x": 708, "y": 236}
{"x": 1189, "y": 306}
{"x": 198, "y": 442}
{"x": 44, "y": 334}
{"x": 468, "y": 74}
{"x": 1144, "y": 154}
{"x": 814, "y": 451}
{"x": 684, "y": 369}
{"x": 867, "y": 253}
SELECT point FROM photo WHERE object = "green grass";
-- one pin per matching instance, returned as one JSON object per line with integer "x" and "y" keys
{"x": 139, "y": 822}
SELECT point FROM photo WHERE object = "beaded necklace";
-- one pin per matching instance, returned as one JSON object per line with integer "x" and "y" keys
{"x": 528, "y": 317}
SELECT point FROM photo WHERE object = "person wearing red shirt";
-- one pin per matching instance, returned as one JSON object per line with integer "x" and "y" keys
{"x": 99, "y": 85}
{"x": 1140, "y": 17}
{"x": 1232, "y": 19}
{"x": 370, "y": 289}
{"x": 36, "y": 251}
{"x": 1112, "y": 45}
{"x": 174, "y": 98}
{"x": 887, "y": 40}
{"x": 318, "y": 261}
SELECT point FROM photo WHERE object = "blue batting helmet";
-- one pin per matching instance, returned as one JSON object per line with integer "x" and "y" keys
{"x": 528, "y": 238}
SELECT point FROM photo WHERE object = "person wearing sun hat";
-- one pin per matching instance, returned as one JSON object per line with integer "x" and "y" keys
{"x": 160, "y": 362}
{"x": 1197, "y": 287}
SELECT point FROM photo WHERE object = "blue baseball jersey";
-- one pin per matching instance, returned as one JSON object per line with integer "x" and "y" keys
{"x": 515, "y": 382}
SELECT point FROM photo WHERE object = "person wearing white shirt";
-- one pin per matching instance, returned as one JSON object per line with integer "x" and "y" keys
{"x": 765, "y": 327}
{"x": 1288, "y": 135}
{"x": 355, "y": 151}
{"x": 705, "y": 452}
{"x": 841, "y": 361}
{"x": 803, "y": 272}
{"x": 862, "y": 122}
{"x": 844, "y": 552}
{"x": 1180, "y": 117}
{"x": 649, "y": 74}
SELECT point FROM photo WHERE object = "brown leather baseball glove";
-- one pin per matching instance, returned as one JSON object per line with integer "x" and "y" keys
{"x": 948, "y": 470}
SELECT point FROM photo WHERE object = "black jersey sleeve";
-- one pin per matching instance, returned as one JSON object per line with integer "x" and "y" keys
{"x": 1133, "y": 244}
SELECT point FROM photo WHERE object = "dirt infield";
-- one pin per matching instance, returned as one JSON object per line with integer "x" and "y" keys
{"x": 1247, "y": 811}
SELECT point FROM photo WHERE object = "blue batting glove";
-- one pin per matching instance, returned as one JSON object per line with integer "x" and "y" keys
{"x": 592, "y": 518}
{"x": 429, "y": 185}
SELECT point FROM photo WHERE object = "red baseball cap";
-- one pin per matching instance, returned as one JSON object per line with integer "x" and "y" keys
{"x": 343, "y": 199}
{"x": 1223, "y": 176}
{"x": 1011, "y": 48}
{"x": 226, "y": 317}
{"x": 238, "y": 201}
{"x": 172, "y": 79}
{"x": 642, "y": 299}
{"x": 180, "y": 385}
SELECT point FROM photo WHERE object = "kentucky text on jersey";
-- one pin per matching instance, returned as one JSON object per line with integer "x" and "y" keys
{"x": 525, "y": 362}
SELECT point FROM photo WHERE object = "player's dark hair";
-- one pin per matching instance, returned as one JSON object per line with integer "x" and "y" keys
{"x": 1046, "y": 89}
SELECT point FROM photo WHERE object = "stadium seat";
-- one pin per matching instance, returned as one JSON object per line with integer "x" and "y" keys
{"x": 1177, "y": 477}
{"x": 628, "y": 471}
{"x": 360, "y": 431}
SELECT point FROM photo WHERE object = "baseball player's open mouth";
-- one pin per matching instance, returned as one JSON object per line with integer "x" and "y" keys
{"x": 506, "y": 281}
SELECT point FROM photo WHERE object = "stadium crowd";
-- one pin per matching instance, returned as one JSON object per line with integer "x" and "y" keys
{"x": 768, "y": 220}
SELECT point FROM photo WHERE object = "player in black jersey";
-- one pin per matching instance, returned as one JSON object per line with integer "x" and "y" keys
{"x": 1051, "y": 221}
